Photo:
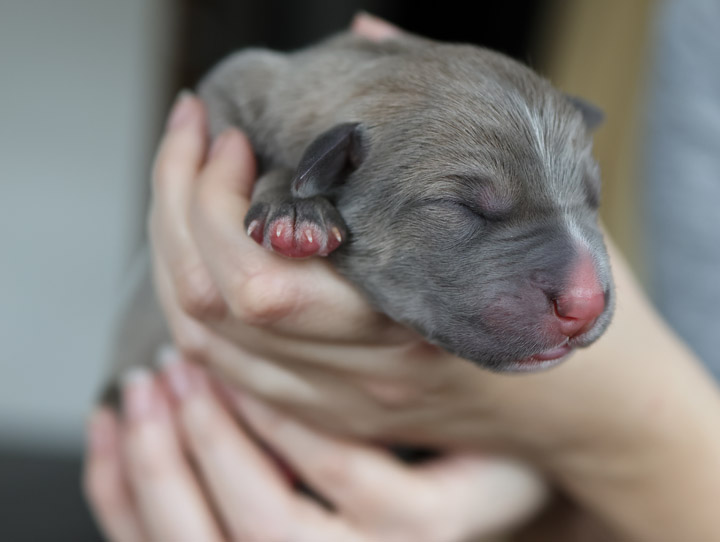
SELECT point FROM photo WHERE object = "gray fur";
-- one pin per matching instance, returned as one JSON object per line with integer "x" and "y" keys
{"x": 441, "y": 127}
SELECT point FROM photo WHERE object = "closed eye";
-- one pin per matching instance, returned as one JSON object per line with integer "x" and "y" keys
{"x": 491, "y": 216}
{"x": 472, "y": 210}
{"x": 458, "y": 205}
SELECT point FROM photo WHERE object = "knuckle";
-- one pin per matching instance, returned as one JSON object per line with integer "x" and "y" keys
{"x": 427, "y": 506}
{"x": 262, "y": 299}
{"x": 337, "y": 472}
{"x": 421, "y": 509}
{"x": 197, "y": 294}
{"x": 274, "y": 383}
{"x": 393, "y": 395}
{"x": 149, "y": 465}
{"x": 150, "y": 457}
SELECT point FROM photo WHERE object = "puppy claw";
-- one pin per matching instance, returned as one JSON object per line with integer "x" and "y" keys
{"x": 336, "y": 233}
{"x": 255, "y": 231}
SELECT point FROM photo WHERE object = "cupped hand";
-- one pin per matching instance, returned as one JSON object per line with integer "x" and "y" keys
{"x": 290, "y": 331}
{"x": 179, "y": 467}
{"x": 297, "y": 335}
{"x": 606, "y": 424}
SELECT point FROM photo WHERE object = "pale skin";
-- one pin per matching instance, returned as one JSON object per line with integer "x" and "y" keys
{"x": 630, "y": 427}
{"x": 142, "y": 487}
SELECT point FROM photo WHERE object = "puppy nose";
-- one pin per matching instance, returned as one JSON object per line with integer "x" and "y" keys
{"x": 583, "y": 299}
{"x": 576, "y": 313}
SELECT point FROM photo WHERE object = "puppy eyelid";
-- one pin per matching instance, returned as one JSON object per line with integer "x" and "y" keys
{"x": 475, "y": 211}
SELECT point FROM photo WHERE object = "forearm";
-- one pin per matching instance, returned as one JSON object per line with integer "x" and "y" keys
{"x": 658, "y": 478}
{"x": 653, "y": 472}
{"x": 628, "y": 427}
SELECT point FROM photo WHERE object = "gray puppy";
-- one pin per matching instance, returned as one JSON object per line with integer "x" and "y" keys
{"x": 452, "y": 185}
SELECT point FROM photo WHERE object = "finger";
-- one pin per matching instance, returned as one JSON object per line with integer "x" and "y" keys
{"x": 234, "y": 361}
{"x": 373, "y": 28}
{"x": 177, "y": 165}
{"x": 473, "y": 496}
{"x": 222, "y": 198}
{"x": 295, "y": 371}
{"x": 104, "y": 484}
{"x": 347, "y": 473}
{"x": 168, "y": 497}
{"x": 359, "y": 355}
{"x": 240, "y": 475}
{"x": 251, "y": 495}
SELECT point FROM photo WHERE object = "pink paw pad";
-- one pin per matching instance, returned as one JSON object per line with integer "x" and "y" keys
{"x": 301, "y": 240}
{"x": 297, "y": 229}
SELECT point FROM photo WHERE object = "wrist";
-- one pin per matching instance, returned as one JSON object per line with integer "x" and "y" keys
{"x": 632, "y": 430}
{"x": 653, "y": 471}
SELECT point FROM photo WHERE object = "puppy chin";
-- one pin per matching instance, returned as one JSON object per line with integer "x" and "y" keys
{"x": 539, "y": 362}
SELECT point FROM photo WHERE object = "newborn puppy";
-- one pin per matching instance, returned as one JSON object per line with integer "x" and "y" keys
{"x": 452, "y": 185}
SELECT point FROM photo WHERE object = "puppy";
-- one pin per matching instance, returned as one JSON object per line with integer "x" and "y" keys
{"x": 449, "y": 183}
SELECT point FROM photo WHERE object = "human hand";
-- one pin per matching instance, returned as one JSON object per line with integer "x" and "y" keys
{"x": 256, "y": 317}
{"x": 178, "y": 467}
{"x": 294, "y": 332}
{"x": 297, "y": 335}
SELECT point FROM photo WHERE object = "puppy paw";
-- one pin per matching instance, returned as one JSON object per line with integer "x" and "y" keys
{"x": 296, "y": 228}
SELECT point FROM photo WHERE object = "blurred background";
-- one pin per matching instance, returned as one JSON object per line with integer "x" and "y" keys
{"x": 84, "y": 89}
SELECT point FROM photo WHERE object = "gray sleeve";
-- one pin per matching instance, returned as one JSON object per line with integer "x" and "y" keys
{"x": 682, "y": 184}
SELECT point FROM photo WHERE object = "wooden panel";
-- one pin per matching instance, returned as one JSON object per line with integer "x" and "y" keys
{"x": 599, "y": 50}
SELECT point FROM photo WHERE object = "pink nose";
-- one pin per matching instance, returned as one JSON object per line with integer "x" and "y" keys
{"x": 583, "y": 300}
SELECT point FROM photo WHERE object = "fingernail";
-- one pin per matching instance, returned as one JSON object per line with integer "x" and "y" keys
{"x": 220, "y": 142}
{"x": 169, "y": 361}
{"x": 179, "y": 378}
{"x": 362, "y": 14}
{"x": 373, "y": 27}
{"x": 101, "y": 432}
{"x": 182, "y": 111}
{"x": 183, "y": 377}
{"x": 138, "y": 394}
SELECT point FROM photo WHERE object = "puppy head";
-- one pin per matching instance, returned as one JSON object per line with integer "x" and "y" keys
{"x": 473, "y": 212}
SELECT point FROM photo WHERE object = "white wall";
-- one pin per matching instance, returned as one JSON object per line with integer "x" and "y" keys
{"x": 82, "y": 92}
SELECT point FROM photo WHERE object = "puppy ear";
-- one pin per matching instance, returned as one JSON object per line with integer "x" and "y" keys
{"x": 592, "y": 114}
{"x": 328, "y": 161}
